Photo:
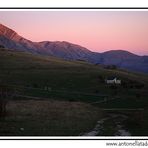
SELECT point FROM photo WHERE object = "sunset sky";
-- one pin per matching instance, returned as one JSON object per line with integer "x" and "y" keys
{"x": 96, "y": 30}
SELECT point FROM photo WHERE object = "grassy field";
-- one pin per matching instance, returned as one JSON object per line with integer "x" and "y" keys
{"x": 52, "y": 118}
{"x": 71, "y": 84}
{"x": 24, "y": 69}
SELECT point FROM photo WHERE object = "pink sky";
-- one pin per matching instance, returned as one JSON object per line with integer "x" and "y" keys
{"x": 96, "y": 30}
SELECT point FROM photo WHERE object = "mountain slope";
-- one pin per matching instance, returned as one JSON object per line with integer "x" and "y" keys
{"x": 125, "y": 59}
{"x": 23, "y": 68}
{"x": 31, "y": 74}
{"x": 10, "y": 39}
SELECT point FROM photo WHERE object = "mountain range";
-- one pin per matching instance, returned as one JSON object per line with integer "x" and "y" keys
{"x": 62, "y": 49}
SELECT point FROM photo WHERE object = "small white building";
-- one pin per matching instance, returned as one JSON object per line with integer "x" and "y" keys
{"x": 113, "y": 80}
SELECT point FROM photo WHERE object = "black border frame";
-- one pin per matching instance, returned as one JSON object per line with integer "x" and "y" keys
{"x": 73, "y": 7}
{"x": 75, "y": 139}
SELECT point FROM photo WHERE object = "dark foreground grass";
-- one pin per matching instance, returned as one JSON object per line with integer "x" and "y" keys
{"x": 139, "y": 128}
{"x": 48, "y": 118}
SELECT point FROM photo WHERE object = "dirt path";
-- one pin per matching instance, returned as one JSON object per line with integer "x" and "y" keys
{"x": 117, "y": 119}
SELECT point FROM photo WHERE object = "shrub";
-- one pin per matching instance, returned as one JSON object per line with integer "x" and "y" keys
{"x": 1, "y": 46}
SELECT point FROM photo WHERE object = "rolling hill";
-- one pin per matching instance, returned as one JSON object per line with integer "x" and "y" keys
{"x": 73, "y": 89}
{"x": 71, "y": 77}
{"x": 125, "y": 59}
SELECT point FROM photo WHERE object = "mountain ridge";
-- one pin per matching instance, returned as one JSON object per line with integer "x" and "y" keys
{"x": 63, "y": 49}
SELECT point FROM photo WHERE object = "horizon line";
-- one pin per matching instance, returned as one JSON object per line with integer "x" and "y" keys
{"x": 73, "y": 43}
